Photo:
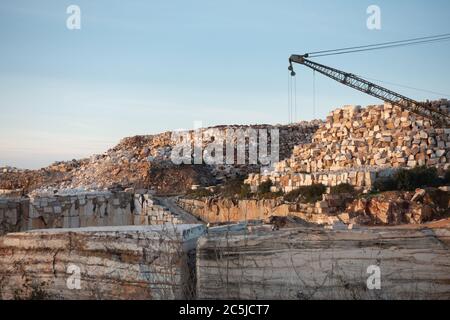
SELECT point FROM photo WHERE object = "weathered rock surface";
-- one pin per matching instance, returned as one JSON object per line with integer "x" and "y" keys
{"x": 319, "y": 264}
{"x": 151, "y": 262}
{"x": 389, "y": 208}
{"x": 396, "y": 208}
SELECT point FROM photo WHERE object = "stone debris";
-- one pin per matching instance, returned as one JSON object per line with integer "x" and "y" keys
{"x": 395, "y": 208}
{"x": 145, "y": 162}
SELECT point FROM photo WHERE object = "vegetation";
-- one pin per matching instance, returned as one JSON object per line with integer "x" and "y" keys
{"x": 408, "y": 180}
{"x": 306, "y": 194}
{"x": 264, "y": 191}
{"x": 447, "y": 177}
{"x": 342, "y": 188}
{"x": 384, "y": 184}
{"x": 264, "y": 187}
{"x": 233, "y": 188}
{"x": 199, "y": 193}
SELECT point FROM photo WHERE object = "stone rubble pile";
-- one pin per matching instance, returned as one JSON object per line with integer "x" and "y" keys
{"x": 134, "y": 160}
{"x": 395, "y": 208}
{"x": 355, "y": 145}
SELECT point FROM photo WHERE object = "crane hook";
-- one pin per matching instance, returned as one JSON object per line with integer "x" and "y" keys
{"x": 291, "y": 69}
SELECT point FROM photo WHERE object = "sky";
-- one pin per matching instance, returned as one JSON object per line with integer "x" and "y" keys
{"x": 143, "y": 67}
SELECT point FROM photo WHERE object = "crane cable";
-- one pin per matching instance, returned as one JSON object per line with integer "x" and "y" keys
{"x": 385, "y": 45}
{"x": 314, "y": 94}
{"x": 289, "y": 98}
{"x": 295, "y": 99}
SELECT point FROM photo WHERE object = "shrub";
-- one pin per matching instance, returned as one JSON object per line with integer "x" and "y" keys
{"x": 342, "y": 188}
{"x": 200, "y": 193}
{"x": 408, "y": 180}
{"x": 306, "y": 194}
{"x": 245, "y": 192}
{"x": 384, "y": 184}
{"x": 270, "y": 195}
{"x": 418, "y": 177}
{"x": 232, "y": 187}
{"x": 265, "y": 187}
{"x": 292, "y": 196}
{"x": 447, "y": 177}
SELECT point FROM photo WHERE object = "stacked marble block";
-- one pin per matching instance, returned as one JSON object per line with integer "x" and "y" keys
{"x": 13, "y": 214}
{"x": 148, "y": 212}
{"x": 81, "y": 210}
{"x": 91, "y": 209}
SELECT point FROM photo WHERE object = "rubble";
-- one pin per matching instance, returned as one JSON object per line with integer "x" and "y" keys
{"x": 145, "y": 162}
{"x": 394, "y": 208}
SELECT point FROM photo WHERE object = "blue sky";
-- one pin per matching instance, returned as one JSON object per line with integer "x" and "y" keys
{"x": 142, "y": 67}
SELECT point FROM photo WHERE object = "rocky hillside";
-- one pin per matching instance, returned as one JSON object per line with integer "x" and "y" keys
{"x": 144, "y": 162}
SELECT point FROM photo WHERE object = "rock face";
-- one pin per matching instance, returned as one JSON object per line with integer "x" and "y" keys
{"x": 87, "y": 209}
{"x": 320, "y": 264}
{"x": 356, "y": 145}
{"x": 152, "y": 262}
{"x": 225, "y": 210}
{"x": 399, "y": 208}
{"x": 14, "y": 214}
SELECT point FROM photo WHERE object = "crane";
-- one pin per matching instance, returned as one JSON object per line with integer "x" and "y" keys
{"x": 425, "y": 110}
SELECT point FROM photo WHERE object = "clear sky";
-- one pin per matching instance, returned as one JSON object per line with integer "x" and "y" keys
{"x": 141, "y": 67}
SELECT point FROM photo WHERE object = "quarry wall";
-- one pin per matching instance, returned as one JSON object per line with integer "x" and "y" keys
{"x": 303, "y": 264}
{"x": 223, "y": 210}
{"x": 131, "y": 262}
{"x": 82, "y": 210}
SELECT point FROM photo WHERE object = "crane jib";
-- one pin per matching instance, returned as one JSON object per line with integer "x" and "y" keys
{"x": 427, "y": 111}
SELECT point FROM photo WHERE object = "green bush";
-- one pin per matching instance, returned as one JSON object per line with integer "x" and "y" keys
{"x": 292, "y": 196}
{"x": 265, "y": 187}
{"x": 200, "y": 193}
{"x": 447, "y": 177}
{"x": 232, "y": 187}
{"x": 270, "y": 195}
{"x": 245, "y": 192}
{"x": 418, "y": 177}
{"x": 384, "y": 184}
{"x": 408, "y": 180}
{"x": 306, "y": 194}
{"x": 342, "y": 188}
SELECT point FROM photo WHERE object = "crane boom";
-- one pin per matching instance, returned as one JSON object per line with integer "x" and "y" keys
{"x": 441, "y": 118}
